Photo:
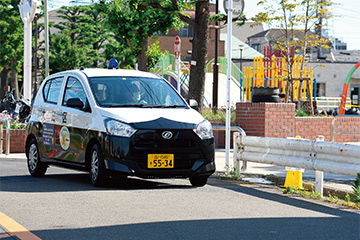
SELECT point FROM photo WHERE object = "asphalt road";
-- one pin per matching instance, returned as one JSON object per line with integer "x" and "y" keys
{"x": 64, "y": 205}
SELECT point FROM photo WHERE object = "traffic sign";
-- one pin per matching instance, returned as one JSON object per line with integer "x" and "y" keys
{"x": 237, "y": 7}
{"x": 177, "y": 47}
{"x": 177, "y": 40}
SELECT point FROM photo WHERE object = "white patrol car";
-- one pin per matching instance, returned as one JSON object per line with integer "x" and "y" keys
{"x": 109, "y": 121}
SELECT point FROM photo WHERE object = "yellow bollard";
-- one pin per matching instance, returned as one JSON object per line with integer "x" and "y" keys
{"x": 294, "y": 175}
{"x": 293, "y": 179}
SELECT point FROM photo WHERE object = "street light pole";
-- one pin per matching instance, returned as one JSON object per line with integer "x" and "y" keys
{"x": 241, "y": 47}
{"x": 241, "y": 50}
{"x": 216, "y": 67}
{"x": 46, "y": 15}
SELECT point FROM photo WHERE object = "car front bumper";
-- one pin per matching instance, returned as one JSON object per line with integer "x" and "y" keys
{"x": 192, "y": 155}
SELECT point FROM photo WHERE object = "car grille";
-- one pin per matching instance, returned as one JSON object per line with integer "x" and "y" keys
{"x": 158, "y": 143}
{"x": 182, "y": 145}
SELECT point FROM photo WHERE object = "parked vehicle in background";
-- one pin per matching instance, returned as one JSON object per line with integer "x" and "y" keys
{"x": 18, "y": 109}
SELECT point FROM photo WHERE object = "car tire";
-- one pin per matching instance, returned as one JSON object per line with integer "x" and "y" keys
{"x": 265, "y": 91}
{"x": 98, "y": 175}
{"x": 265, "y": 98}
{"x": 198, "y": 181}
{"x": 35, "y": 166}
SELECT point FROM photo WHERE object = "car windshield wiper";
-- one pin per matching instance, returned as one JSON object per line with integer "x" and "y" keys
{"x": 126, "y": 105}
{"x": 140, "y": 105}
{"x": 174, "y": 106}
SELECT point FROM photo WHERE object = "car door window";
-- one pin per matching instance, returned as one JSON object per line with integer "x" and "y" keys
{"x": 74, "y": 90}
{"x": 51, "y": 90}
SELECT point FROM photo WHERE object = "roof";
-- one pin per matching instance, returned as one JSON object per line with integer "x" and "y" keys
{"x": 279, "y": 34}
{"x": 243, "y": 32}
{"x": 103, "y": 72}
{"x": 247, "y": 54}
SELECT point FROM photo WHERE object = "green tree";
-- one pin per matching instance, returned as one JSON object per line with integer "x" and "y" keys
{"x": 11, "y": 44}
{"x": 133, "y": 23}
{"x": 200, "y": 42}
{"x": 292, "y": 16}
{"x": 65, "y": 55}
{"x": 81, "y": 37}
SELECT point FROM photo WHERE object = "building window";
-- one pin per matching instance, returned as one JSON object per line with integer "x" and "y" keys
{"x": 256, "y": 47}
{"x": 186, "y": 31}
{"x": 320, "y": 90}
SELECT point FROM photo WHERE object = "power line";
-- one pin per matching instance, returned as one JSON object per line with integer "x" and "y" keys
{"x": 350, "y": 10}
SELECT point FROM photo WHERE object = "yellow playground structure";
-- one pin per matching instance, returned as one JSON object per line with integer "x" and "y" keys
{"x": 268, "y": 71}
{"x": 273, "y": 72}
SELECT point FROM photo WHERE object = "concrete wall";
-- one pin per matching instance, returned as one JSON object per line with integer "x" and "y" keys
{"x": 278, "y": 120}
{"x": 334, "y": 75}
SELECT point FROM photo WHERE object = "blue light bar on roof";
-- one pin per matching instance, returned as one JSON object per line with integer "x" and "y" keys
{"x": 113, "y": 63}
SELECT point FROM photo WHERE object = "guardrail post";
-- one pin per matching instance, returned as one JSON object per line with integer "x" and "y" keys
{"x": 319, "y": 175}
{"x": 7, "y": 136}
{"x": 235, "y": 152}
{"x": 1, "y": 137}
{"x": 239, "y": 131}
{"x": 319, "y": 182}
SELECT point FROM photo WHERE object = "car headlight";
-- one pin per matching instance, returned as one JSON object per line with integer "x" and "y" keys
{"x": 204, "y": 130}
{"x": 117, "y": 128}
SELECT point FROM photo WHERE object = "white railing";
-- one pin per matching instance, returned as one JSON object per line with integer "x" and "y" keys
{"x": 7, "y": 136}
{"x": 329, "y": 103}
{"x": 328, "y": 157}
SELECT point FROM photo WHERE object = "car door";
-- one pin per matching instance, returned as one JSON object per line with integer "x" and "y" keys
{"x": 73, "y": 122}
{"x": 45, "y": 109}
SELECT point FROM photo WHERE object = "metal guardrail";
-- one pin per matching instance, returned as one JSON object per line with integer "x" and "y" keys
{"x": 7, "y": 136}
{"x": 320, "y": 156}
{"x": 237, "y": 130}
{"x": 232, "y": 128}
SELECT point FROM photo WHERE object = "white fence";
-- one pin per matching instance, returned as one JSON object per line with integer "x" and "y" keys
{"x": 328, "y": 157}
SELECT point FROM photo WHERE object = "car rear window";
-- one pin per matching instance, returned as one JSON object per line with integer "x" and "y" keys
{"x": 51, "y": 90}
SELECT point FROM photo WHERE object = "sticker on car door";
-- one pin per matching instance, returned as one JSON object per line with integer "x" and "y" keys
{"x": 48, "y": 134}
{"x": 64, "y": 138}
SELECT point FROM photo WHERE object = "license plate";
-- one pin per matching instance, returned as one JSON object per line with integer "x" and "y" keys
{"x": 160, "y": 160}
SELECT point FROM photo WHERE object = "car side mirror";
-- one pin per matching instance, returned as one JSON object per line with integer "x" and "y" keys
{"x": 193, "y": 103}
{"x": 75, "y": 103}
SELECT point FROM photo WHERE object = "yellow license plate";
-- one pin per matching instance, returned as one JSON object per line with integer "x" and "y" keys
{"x": 160, "y": 160}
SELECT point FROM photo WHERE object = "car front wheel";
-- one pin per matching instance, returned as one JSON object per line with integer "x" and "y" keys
{"x": 35, "y": 166}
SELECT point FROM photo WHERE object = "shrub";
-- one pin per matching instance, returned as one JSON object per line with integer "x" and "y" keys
{"x": 218, "y": 115}
{"x": 14, "y": 123}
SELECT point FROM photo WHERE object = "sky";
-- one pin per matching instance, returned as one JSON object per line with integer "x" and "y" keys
{"x": 345, "y": 25}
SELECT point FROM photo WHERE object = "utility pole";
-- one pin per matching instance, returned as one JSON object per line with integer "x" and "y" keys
{"x": 318, "y": 27}
{"x": 216, "y": 67}
{"x": 46, "y": 15}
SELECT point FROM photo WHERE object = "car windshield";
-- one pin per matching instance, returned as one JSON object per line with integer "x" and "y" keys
{"x": 134, "y": 92}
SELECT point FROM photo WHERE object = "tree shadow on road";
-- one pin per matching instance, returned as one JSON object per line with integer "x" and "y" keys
{"x": 237, "y": 228}
{"x": 79, "y": 182}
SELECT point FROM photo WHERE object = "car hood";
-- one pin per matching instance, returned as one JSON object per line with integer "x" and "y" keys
{"x": 155, "y": 118}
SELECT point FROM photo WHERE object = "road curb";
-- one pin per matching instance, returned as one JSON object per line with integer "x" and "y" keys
{"x": 280, "y": 181}
{"x": 308, "y": 185}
